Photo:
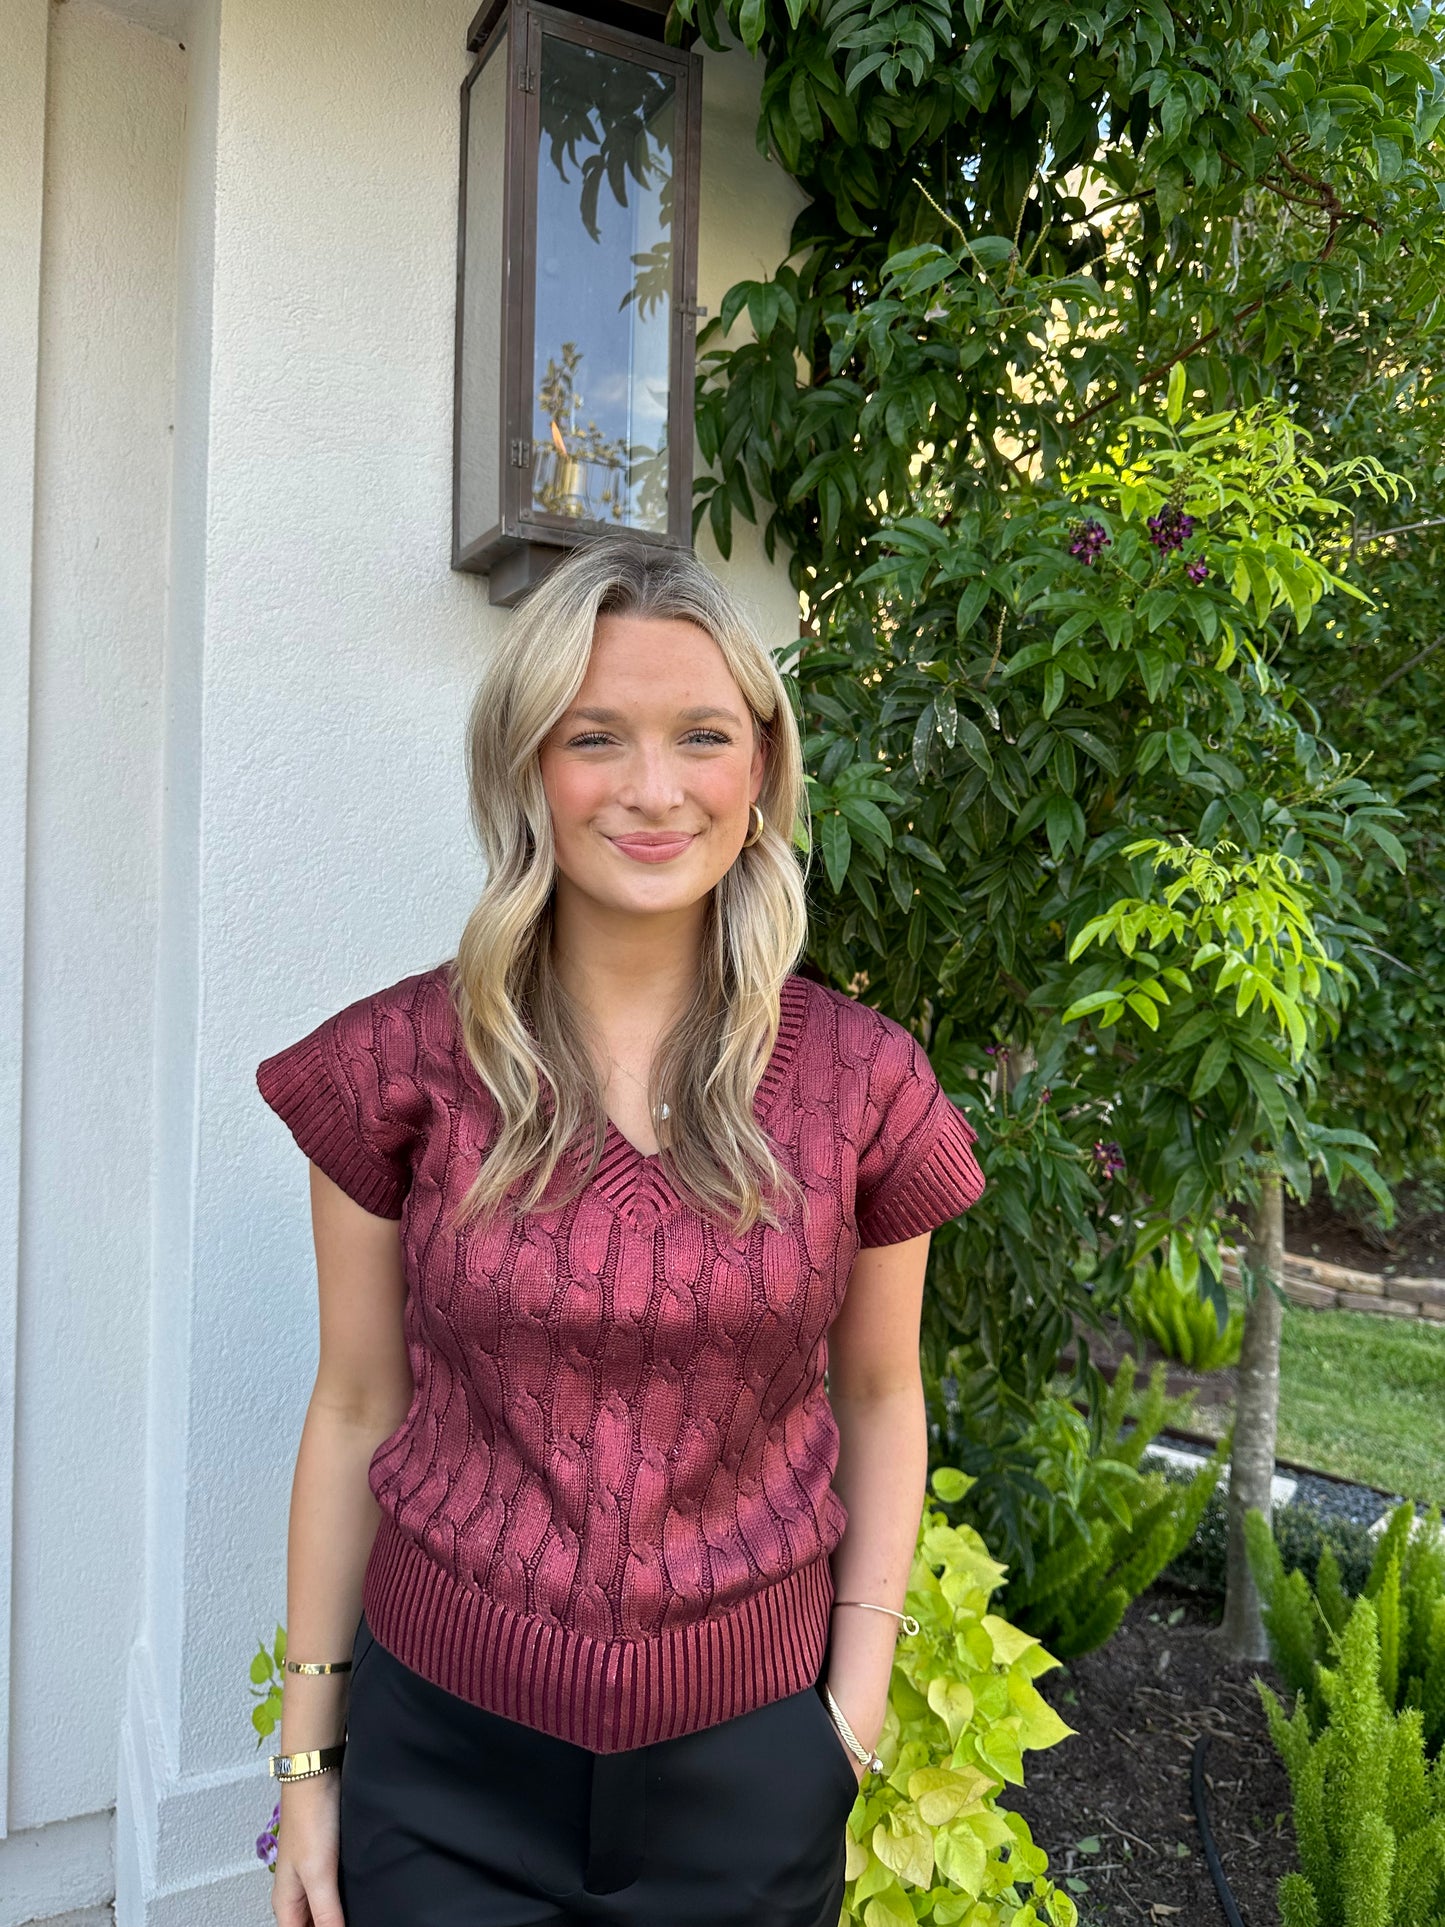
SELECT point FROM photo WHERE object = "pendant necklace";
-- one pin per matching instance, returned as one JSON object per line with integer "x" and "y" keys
{"x": 662, "y": 1110}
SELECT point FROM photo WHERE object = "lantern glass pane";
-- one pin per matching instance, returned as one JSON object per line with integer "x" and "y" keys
{"x": 479, "y": 425}
{"x": 604, "y": 289}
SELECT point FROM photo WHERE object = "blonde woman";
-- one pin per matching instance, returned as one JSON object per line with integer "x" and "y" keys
{"x": 595, "y": 1203}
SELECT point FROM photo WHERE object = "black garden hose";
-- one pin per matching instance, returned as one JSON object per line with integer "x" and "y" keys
{"x": 1211, "y": 1852}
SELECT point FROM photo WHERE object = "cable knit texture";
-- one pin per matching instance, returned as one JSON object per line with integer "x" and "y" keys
{"x": 609, "y": 1510}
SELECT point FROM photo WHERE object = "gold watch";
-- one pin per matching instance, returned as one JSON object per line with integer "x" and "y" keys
{"x": 306, "y": 1766}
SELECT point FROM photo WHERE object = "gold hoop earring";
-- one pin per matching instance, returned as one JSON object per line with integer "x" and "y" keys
{"x": 755, "y": 834}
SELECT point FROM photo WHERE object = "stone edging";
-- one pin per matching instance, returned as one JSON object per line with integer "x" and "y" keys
{"x": 1310, "y": 1281}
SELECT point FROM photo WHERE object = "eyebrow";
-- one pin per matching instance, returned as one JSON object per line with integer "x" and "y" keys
{"x": 701, "y": 714}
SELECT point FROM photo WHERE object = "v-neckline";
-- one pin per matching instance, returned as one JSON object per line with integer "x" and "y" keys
{"x": 634, "y": 1181}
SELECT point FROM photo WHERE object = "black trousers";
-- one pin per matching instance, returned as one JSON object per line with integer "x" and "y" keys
{"x": 456, "y": 1817}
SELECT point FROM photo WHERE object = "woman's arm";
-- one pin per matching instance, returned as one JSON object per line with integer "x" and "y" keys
{"x": 876, "y": 1390}
{"x": 362, "y": 1392}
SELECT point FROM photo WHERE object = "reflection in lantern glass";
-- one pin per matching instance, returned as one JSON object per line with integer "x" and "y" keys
{"x": 603, "y": 293}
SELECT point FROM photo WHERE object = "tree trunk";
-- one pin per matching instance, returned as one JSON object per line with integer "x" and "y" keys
{"x": 1256, "y": 1419}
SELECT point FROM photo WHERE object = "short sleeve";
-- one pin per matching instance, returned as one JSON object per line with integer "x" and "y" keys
{"x": 917, "y": 1171}
{"x": 336, "y": 1090}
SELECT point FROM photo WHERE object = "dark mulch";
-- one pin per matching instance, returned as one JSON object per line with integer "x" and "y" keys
{"x": 1111, "y": 1806}
{"x": 1413, "y": 1247}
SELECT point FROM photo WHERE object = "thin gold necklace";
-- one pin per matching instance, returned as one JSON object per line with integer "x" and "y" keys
{"x": 661, "y": 1110}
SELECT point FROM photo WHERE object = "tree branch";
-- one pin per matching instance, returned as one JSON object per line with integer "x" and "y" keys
{"x": 1395, "y": 675}
{"x": 1406, "y": 528}
{"x": 1151, "y": 375}
{"x": 1420, "y": 656}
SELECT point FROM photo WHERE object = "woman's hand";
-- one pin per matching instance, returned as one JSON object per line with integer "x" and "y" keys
{"x": 304, "y": 1892}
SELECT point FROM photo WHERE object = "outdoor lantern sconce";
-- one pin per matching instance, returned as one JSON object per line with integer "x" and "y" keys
{"x": 576, "y": 287}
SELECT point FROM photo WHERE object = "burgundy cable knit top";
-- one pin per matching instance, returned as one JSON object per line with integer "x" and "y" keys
{"x": 608, "y": 1512}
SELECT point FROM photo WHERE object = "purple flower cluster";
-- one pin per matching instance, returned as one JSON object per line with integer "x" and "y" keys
{"x": 1089, "y": 541}
{"x": 996, "y": 1050}
{"x": 1109, "y": 1157}
{"x": 1197, "y": 570}
{"x": 266, "y": 1842}
{"x": 1170, "y": 529}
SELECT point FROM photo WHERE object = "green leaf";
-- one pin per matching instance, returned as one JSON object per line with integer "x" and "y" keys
{"x": 949, "y": 1483}
{"x": 970, "y": 606}
{"x": 1174, "y": 404}
{"x": 1271, "y": 1097}
{"x": 922, "y": 737}
{"x": 889, "y": 1909}
{"x": 1153, "y": 668}
{"x": 860, "y": 811}
{"x": 1212, "y": 1066}
{"x": 1064, "y": 822}
{"x": 837, "y": 848}
{"x": 1386, "y": 839}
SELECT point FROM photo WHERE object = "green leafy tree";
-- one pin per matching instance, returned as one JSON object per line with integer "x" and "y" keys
{"x": 1043, "y": 629}
{"x": 1376, "y": 673}
{"x": 978, "y": 804}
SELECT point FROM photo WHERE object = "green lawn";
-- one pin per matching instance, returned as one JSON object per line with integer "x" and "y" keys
{"x": 1364, "y": 1398}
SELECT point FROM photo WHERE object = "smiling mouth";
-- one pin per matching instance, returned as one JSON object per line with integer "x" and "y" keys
{"x": 654, "y": 846}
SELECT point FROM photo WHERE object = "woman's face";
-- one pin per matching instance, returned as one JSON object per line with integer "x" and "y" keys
{"x": 650, "y": 773}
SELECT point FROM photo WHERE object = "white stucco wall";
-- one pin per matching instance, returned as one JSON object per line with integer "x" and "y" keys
{"x": 102, "y": 475}
{"x": 251, "y": 665}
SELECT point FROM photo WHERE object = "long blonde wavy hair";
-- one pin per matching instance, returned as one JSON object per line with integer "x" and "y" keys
{"x": 526, "y": 1037}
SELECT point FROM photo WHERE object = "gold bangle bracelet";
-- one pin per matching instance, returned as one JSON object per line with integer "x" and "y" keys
{"x": 314, "y": 1666}
{"x": 850, "y": 1739}
{"x": 910, "y": 1624}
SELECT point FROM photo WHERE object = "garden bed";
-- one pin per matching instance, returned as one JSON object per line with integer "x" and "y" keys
{"x": 1111, "y": 1806}
{"x": 1414, "y": 1244}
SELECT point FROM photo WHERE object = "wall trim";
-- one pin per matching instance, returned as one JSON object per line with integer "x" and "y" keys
{"x": 24, "y": 26}
{"x": 66, "y": 1865}
{"x": 182, "y": 1842}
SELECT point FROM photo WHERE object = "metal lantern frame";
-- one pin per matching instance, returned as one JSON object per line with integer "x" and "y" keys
{"x": 522, "y": 540}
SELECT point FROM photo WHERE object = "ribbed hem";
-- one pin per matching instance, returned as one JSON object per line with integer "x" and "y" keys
{"x": 604, "y": 1694}
{"x": 944, "y": 1183}
{"x": 299, "y": 1085}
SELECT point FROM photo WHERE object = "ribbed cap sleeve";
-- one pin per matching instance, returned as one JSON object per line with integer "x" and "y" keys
{"x": 918, "y": 1170}
{"x": 341, "y": 1091}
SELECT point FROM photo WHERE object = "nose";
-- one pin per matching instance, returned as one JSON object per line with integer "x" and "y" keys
{"x": 651, "y": 781}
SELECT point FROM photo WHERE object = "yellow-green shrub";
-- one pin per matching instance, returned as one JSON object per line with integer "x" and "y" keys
{"x": 926, "y": 1840}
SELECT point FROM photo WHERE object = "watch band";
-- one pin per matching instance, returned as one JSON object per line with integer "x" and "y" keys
{"x": 306, "y": 1766}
